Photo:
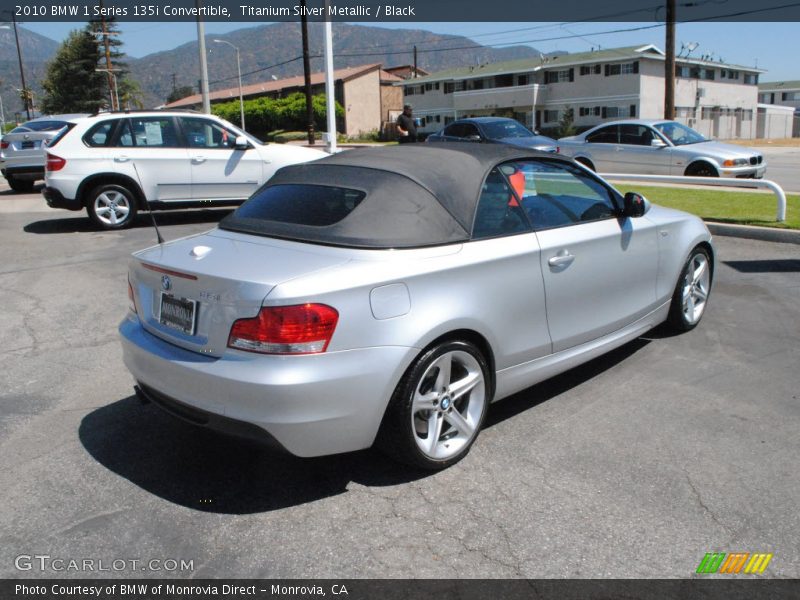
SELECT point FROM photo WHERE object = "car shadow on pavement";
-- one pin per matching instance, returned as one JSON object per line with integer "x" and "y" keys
{"x": 163, "y": 219}
{"x": 550, "y": 388}
{"x": 787, "y": 265}
{"x": 206, "y": 471}
{"x": 200, "y": 469}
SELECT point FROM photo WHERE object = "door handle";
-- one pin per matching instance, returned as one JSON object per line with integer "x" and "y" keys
{"x": 121, "y": 158}
{"x": 198, "y": 159}
{"x": 619, "y": 149}
{"x": 561, "y": 259}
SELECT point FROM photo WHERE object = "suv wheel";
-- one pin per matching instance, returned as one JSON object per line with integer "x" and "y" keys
{"x": 111, "y": 206}
{"x": 23, "y": 186}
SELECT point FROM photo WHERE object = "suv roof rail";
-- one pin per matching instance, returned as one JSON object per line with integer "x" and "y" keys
{"x": 145, "y": 110}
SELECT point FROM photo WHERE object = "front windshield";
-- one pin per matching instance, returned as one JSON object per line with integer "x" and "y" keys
{"x": 505, "y": 129}
{"x": 679, "y": 134}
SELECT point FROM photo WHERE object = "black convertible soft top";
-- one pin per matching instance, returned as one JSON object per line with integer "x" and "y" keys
{"x": 416, "y": 194}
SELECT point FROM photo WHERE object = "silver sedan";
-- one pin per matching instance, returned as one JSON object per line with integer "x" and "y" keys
{"x": 387, "y": 296}
{"x": 658, "y": 147}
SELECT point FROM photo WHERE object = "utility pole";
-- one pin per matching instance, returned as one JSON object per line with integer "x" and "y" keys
{"x": 112, "y": 81}
{"x": 669, "y": 64}
{"x": 330, "y": 89}
{"x": 415, "y": 63}
{"x": 307, "y": 75}
{"x": 25, "y": 97}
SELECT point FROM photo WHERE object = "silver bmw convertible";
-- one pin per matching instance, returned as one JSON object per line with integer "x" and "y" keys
{"x": 387, "y": 296}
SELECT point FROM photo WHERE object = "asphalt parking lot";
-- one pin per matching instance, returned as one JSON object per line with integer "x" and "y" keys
{"x": 634, "y": 465}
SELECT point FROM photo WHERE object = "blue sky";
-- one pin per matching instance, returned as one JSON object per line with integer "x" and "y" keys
{"x": 770, "y": 46}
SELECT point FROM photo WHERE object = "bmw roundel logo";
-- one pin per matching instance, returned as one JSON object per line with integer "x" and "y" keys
{"x": 166, "y": 282}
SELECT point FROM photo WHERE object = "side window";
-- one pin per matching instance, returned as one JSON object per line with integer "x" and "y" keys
{"x": 454, "y": 130}
{"x": 125, "y": 135}
{"x": 606, "y": 135}
{"x": 498, "y": 212}
{"x": 100, "y": 134}
{"x": 203, "y": 133}
{"x": 154, "y": 131}
{"x": 470, "y": 130}
{"x": 635, "y": 135}
{"x": 556, "y": 194}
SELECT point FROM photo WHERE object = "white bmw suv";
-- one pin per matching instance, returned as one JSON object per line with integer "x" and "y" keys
{"x": 115, "y": 164}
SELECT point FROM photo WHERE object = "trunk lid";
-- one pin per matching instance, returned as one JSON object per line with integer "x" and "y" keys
{"x": 190, "y": 291}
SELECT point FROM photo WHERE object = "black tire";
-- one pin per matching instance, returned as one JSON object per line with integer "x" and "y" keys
{"x": 678, "y": 319}
{"x": 400, "y": 435}
{"x": 586, "y": 163}
{"x": 111, "y": 206}
{"x": 701, "y": 169}
{"x": 23, "y": 186}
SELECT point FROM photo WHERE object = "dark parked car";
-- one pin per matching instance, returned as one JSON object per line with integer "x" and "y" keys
{"x": 494, "y": 130}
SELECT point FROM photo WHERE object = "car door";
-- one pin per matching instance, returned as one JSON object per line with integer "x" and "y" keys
{"x": 635, "y": 152}
{"x": 599, "y": 269}
{"x": 150, "y": 150}
{"x": 601, "y": 147}
{"x": 220, "y": 171}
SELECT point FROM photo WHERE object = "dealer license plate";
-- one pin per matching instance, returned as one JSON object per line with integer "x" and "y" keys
{"x": 178, "y": 313}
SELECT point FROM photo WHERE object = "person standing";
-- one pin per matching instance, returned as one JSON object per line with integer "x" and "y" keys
{"x": 406, "y": 128}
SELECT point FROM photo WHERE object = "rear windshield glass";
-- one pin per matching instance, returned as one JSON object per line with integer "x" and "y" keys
{"x": 314, "y": 205}
{"x": 40, "y": 126}
{"x": 61, "y": 134}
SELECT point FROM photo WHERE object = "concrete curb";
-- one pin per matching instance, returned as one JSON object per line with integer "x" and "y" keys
{"x": 765, "y": 234}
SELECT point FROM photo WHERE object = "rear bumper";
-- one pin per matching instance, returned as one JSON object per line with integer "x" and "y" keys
{"x": 30, "y": 173}
{"x": 311, "y": 405}
{"x": 55, "y": 199}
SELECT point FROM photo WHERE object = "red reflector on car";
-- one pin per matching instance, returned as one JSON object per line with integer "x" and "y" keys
{"x": 54, "y": 163}
{"x": 297, "y": 329}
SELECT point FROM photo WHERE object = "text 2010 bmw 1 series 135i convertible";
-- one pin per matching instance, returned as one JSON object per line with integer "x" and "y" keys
{"x": 387, "y": 296}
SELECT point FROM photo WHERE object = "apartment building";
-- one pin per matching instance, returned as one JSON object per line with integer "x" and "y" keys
{"x": 782, "y": 93}
{"x": 717, "y": 99}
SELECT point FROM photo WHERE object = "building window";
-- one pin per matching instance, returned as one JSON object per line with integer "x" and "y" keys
{"x": 751, "y": 79}
{"x": 632, "y": 110}
{"x": 686, "y": 112}
{"x": 448, "y": 120}
{"x": 747, "y": 115}
{"x": 408, "y": 90}
{"x": 449, "y": 87}
{"x": 522, "y": 80}
{"x": 590, "y": 70}
{"x": 428, "y": 87}
{"x": 475, "y": 84}
{"x": 436, "y": 85}
{"x": 550, "y": 116}
{"x": 501, "y": 81}
{"x": 586, "y": 70}
{"x": 683, "y": 72}
{"x": 622, "y": 68}
{"x": 460, "y": 86}
{"x": 561, "y": 76}
{"x": 728, "y": 74}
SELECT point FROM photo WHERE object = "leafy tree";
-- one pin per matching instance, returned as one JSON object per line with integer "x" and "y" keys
{"x": 180, "y": 92}
{"x": 566, "y": 126}
{"x": 131, "y": 95}
{"x": 71, "y": 83}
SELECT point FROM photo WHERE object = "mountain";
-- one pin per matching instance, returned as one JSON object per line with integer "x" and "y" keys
{"x": 280, "y": 45}
{"x": 267, "y": 51}
{"x": 36, "y": 51}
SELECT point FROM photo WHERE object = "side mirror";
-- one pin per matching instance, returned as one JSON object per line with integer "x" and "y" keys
{"x": 657, "y": 143}
{"x": 635, "y": 205}
{"x": 241, "y": 143}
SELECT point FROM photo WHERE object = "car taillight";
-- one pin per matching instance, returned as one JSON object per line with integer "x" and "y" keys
{"x": 297, "y": 329}
{"x": 54, "y": 163}
{"x": 558, "y": 150}
{"x": 131, "y": 299}
{"x": 4, "y": 145}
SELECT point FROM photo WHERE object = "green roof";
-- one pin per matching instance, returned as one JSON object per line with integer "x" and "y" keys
{"x": 779, "y": 85}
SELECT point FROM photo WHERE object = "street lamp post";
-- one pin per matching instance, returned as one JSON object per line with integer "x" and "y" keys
{"x": 116, "y": 87}
{"x": 239, "y": 70}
